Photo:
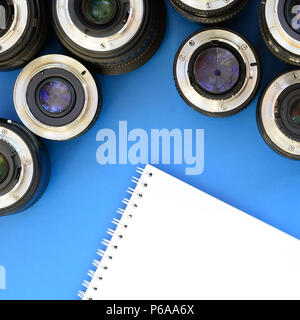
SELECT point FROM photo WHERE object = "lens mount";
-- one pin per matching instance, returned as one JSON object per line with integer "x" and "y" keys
{"x": 84, "y": 103}
{"x": 275, "y": 115}
{"x": 230, "y": 73}
{"x": 20, "y": 39}
{"x": 28, "y": 168}
{"x": 208, "y": 12}
{"x": 276, "y": 28}
{"x": 122, "y": 44}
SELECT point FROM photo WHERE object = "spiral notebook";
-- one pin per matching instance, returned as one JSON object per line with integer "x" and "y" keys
{"x": 173, "y": 241}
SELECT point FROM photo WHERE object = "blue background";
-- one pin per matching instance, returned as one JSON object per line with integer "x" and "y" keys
{"x": 48, "y": 250}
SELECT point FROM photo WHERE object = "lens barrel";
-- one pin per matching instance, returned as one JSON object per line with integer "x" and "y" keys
{"x": 115, "y": 36}
{"x": 57, "y": 98}
{"x": 23, "y": 31}
{"x": 278, "y": 114}
{"x": 217, "y": 72}
{"x": 24, "y": 168}
{"x": 208, "y": 12}
{"x": 280, "y": 29}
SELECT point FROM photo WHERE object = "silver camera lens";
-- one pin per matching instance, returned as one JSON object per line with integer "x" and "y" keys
{"x": 208, "y": 12}
{"x": 115, "y": 36}
{"x": 280, "y": 28}
{"x": 217, "y": 72}
{"x": 24, "y": 168}
{"x": 278, "y": 114}
{"x": 57, "y": 98}
{"x": 23, "y": 31}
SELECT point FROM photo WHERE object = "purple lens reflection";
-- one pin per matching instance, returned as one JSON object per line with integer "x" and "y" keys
{"x": 55, "y": 96}
{"x": 216, "y": 70}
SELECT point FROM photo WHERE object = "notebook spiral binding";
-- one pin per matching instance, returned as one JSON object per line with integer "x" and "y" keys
{"x": 106, "y": 256}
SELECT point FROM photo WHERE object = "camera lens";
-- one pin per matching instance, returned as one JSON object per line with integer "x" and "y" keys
{"x": 217, "y": 72}
{"x": 24, "y": 168}
{"x": 57, "y": 98}
{"x": 208, "y": 12}
{"x": 23, "y": 31}
{"x": 115, "y": 36}
{"x": 280, "y": 28}
{"x": 278, "y": 114}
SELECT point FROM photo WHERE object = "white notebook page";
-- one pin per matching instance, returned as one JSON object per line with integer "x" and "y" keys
{"x": 184, "y": 244}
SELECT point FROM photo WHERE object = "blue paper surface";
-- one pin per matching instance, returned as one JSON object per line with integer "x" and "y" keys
{"x": 47, "y": 250}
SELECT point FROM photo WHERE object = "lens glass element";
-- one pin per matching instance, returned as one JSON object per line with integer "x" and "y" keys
{"x": 216, "y": 70}
{"x": 292, "y": 11}
{"x": 295, "y": 112}
{"x": 55, "y": 96}
{"x": 3, "y": 168}
{"x": 99, "y": 11}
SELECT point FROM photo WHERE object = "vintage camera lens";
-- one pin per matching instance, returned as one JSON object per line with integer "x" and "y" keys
{"x": 278, "y": 114}
{"x": 217, "y": 72}
{"x": 280, "y": 28}
{"x": 57, "y": 98}
{"x": 115, "y": 36}
{"x": 208, "y": 12}
{"x": 24, "y": 168}
{"x": 23, "y": 31}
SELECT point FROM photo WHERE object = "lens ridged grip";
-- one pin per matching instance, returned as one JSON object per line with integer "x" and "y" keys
{"x": 209, "y": 16}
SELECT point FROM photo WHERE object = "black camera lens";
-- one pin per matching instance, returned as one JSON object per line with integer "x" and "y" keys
{"x": 280, "y": 28}
{"x": 217, "y": 72}
{"x": 23, "y": 31}
{"x": 208, "y": 12}
{"x": 278, "y": 114}
{"x": 115, "y": 36}
{"x": 57, "y": 98}
{"x": 24, "y": 168}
